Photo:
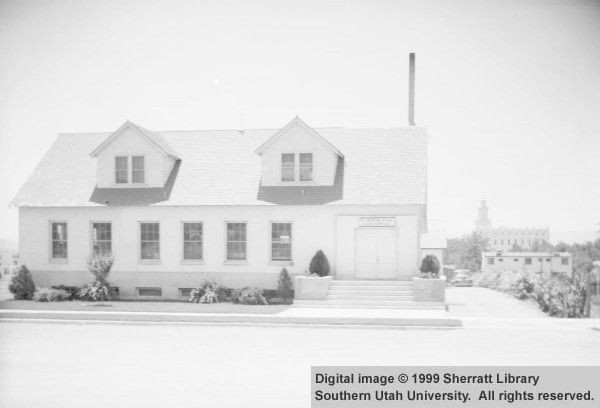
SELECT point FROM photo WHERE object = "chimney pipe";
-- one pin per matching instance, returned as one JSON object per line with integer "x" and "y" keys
{"x": 411, "y": 89}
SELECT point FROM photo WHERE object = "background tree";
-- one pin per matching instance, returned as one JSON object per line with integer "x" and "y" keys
{"x": 516, "y": 248}
{"x": 465, "y": 252}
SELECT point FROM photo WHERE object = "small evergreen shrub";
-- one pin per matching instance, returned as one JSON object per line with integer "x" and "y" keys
{"x": 51, "y": 295}
{"x": 319, "y": 265}
{"x": 430, "y": 267}
{"x": 100, "y": 288}
{"x": 208, "y": 292}
{"x": 249, "y": 296}
{"x": 285, "y": 288}
{"x": 21, "y": 285}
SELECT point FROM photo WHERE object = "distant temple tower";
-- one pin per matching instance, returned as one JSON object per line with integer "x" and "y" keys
{"x": 483, "y": 222}
{"x": 503, "y": 238}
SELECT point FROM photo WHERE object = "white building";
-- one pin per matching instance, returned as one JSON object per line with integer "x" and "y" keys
{"x": 503, "y": 238}
{"x": 233, "y": 206}
{"x": 560, "y": 262}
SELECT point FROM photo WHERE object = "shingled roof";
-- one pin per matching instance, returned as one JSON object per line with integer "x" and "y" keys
{"x": 220, "y": 167}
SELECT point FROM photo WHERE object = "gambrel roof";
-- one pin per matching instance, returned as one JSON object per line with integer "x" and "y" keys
{"x": 221, "y": 167}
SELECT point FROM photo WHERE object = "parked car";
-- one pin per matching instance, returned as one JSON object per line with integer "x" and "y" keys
{"x": 462, "y": 277}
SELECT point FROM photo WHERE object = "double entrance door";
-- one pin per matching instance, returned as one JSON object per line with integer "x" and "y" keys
{"x": 376, "y": 253}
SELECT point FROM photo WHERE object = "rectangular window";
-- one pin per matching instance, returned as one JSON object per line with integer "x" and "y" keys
{"x": 564, "y": 261}
{"x": 490, "y": 261}
{"x": 101, "y": 238}
{"x": 281, "y": 241}
{"x": 527, "y": 261}
{"x": 500, "y": 260}
{"x": 516, "y": 259}
{"x": 287, "y": 167}
{"x": 157, "y": 292}
{"x": 306, "y": 166}
{"x": 548, "y": 260}
{"x": 185, "y": 293}
{"x": 149, "y": 240}
{"x": 121, "y": 170}
{"x": 192, "y": 240}
{"x": 137, "y": 169}
{"x": 59, "y": 240}
{"x": 236, "y": 241}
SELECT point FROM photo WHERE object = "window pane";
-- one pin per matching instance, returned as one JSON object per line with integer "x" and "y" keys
{"x": 59, "y": 231}
{"x": 192, "y": 240}
{"x": 137, "y": 169}
{"x": 121, "y": 169}
{"x": 306, "y": 167}
{"x": 287, "y": 167}
{"x": 150, "y": 237}
{"x": 192, "y": 250}
{"x": 59, "y": 249}
{"x": 236, "y": 250}
{"x": 236, "y": 241}
{"x": 59, "y": 240}
{"x": 281, "y": 241}
{"x": 150, "y": 250}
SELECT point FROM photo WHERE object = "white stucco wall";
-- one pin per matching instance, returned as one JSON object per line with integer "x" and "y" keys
{"x": 313, "y": 228}
{"x": 296, "y": 140}
{"x": 131, "y": 143}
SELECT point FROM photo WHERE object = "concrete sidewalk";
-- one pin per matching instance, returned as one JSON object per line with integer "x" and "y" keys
{"x": 292, "y": 317}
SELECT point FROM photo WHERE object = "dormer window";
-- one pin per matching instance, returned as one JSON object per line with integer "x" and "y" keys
{"x": 121, "y": 171}
{"x": 137, "y": 169}
{"x": 288, "y": 167}
{"x": 306, "y": 166}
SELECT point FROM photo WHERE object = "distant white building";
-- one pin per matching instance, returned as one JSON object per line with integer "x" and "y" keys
{"x": 499, "y": 261}
{"x": 503, "y": 239}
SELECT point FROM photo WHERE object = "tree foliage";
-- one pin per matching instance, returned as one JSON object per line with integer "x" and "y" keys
{"x": 284, "y": 285}
{"x": 21, "y": 285}
{"x": 100, "y": 288}
{"x": 465, "y": 252}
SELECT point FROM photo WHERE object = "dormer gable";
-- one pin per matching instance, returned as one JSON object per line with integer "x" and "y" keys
{"x": 298, "y": 155}
{"x": 133, "y": 157}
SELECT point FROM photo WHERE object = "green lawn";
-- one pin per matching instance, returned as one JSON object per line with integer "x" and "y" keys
{"x": 141, "y": 306}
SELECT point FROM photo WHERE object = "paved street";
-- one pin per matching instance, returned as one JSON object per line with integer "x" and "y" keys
{"x": 106, "y": 365}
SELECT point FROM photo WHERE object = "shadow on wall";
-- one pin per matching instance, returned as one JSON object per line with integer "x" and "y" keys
{"x": 305, "y": 195}
{"x": 136, "y": 196}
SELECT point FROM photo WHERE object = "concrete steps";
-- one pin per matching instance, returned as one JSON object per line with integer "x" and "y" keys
{"x": 366, "y": 294}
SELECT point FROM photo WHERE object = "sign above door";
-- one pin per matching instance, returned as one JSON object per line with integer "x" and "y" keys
{"x": 377, "y": 222}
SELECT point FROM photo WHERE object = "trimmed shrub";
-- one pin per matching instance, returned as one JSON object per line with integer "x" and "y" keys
{"x": 248, "y": 296}
{"x": 51, "y": 295}
{"x": 430, "y": 267}
{"x": 71, "y": 290}
{"x": 100, "y": 289}
{"x": 21, "y": 285}
{"x": 285, "y": 289}
{"x": 208, "y": 292}
{"x": 319, "y": 265}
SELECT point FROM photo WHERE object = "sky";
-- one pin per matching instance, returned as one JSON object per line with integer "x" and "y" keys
{"x": 508, "y": 90}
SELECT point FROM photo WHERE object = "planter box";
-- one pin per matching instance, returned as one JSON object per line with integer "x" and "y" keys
{"x": 311, "y": 288}
{"x": 429, "y": 290}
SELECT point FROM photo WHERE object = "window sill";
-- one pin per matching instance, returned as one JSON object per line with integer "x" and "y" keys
{"x": 192, "y": 262}
{"x": 58, "y": 260}
{"x": 148, "y": 262}
{"x": 234, "y": 262}
{"x": 281, "y": 263}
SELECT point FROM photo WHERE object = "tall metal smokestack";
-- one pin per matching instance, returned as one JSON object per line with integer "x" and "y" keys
{"x": 411, "y": 89}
